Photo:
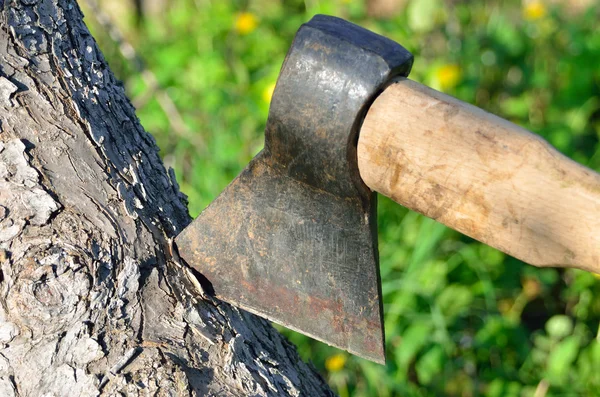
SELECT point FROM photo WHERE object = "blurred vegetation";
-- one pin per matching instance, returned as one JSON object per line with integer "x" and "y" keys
{"x": 461, "y": 318}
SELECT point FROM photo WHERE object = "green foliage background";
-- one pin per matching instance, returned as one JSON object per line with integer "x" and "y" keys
{"x": 462, "y": 319}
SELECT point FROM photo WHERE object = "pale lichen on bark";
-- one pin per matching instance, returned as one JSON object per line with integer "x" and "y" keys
{"x": 93, "y": 300}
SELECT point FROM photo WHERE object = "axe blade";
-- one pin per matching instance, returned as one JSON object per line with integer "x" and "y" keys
{"x": 293, "y": 238}
{"x": 295, "y": 255}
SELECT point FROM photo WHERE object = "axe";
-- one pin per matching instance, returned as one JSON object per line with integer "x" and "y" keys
{"x": 293, "y": 238}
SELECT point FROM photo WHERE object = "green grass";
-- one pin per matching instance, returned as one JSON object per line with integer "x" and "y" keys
{"x": 462, "y": 319}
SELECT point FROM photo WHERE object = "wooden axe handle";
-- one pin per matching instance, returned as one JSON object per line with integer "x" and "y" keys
{"x": 481, "y": 175}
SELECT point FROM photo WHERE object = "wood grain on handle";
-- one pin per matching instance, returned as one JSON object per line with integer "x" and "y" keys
{"x": 481, "y": 175}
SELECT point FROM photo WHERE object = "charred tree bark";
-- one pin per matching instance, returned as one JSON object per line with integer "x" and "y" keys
{"x": 93, "y": 300}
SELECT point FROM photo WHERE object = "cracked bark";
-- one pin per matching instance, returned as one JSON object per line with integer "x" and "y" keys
{"x": 93, "y": 300}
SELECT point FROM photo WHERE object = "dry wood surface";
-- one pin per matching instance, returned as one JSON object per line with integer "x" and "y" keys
{"x": 481, "y": 175}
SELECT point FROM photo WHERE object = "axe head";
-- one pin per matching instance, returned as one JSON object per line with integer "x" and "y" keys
{"x": 293, "y": 238}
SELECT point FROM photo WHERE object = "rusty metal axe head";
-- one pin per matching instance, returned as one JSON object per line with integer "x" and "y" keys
{"x": 293, "y": 237}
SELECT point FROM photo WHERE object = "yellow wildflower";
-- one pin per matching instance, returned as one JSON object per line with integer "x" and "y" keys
{"x": 335, "y": 362}
{"x": 268, "y": 93}
{"x": 448, "y": 76}
{"x": 245, "y": 23}
{"x": 531, "y": 287}
{"x": 533, "y": 10}
{"x": 596, "y": 275}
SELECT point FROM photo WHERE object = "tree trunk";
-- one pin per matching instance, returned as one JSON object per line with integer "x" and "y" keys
{"x": 93, "y": 298}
